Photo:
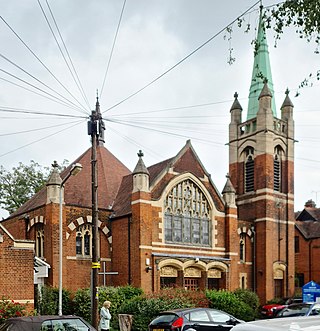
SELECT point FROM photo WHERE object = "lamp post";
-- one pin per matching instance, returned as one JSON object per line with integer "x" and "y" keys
{"x": 75, "y": 169}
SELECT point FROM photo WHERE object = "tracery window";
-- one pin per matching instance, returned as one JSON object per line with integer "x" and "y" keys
{"x": 249, "y": 170}
{"x": 84, "y": 240}
{"x": 277, "y": 173}
{"x": 39, "y": 241}
{"x": 187, "y": 214}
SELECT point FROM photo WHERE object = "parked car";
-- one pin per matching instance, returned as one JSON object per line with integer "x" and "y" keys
{"x": 300, "y": 309}
{"x": 310, "y": 323}
{"x": 46, "y": 323}
{"x": 271, "y": 310}
{"x": 199, "y": 319}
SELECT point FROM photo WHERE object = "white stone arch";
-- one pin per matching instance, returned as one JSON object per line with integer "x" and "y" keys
{"x": 246, "y": 230}
{"x": 192, "y": 263}
{"x": 185, "y": 176}
{"x": 88, "y": 219}
{"x": 279, "y": 269}
{"x": 171, "y": 262}
{"x": 218, "y": 265}
{"x": 247, "y": 143}
{"x": 37, "y": 219}
{"x": 279, "y": 141}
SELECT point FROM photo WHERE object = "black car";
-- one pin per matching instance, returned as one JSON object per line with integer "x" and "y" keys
{"x": 46, "y": 323}
{"x": 199, "y": 319}
{"x": 300, "y": 309}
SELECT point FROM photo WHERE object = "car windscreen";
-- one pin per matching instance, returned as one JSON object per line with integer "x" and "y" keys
{"x": 164, "y": 319}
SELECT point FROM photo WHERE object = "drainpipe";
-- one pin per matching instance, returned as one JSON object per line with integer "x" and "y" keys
{"x": 129, "y": 249}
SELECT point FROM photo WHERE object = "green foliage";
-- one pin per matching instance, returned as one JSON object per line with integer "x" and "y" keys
{"x": 248, "y": 297}
{"x": 82, "y": 304}
{"x": 9, "y": 308}
{"x": 21, "y": 183}
{"x": 230, "y": 303}
{"x": 145, "y": 309}
{"x": 48, "y": 301}
{"x": 117, "y": 295}
{"x": 303, "y": 15}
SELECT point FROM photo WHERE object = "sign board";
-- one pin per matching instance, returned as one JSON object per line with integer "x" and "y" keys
{"x": 311, "y": 292}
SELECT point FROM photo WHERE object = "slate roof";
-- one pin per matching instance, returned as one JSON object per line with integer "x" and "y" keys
{"x": 78, "y": 188}
{"x": 308, "y": 222}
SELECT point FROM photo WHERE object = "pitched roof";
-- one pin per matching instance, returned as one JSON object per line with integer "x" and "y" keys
{"x": 78, "y": 189}
{"x": 185, "y": 161}
{"x": 308, "y": 222}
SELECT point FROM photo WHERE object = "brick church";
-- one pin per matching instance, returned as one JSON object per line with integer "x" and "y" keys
{"x": 167, "y": 224}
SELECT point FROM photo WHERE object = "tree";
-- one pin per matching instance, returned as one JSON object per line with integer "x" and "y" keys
{"x": 21, "y": 183}
{"x": 304, "y": 15}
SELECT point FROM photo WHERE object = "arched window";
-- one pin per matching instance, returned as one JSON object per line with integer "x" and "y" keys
{"x": 249, "y": 170}
{"x": 39, "y": 240}
{"x": 277, "y": 171}
{"x": 187, "y": 215}
{"x": 84, "y": 240}
{"x": 242, "y": 248}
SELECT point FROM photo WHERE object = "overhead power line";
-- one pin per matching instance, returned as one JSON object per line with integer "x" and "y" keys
{"x": 112, "y": 49}
{"x": 41, "y": 62}
{"x": 181, "y": 61}
{"x": 74, "y": 71}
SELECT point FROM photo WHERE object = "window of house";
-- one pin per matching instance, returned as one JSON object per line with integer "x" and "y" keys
{"x": 39, "y": 241}
{"x": 277, "y": 168}
{"x": 187, "y": 214}
{"x": 84, "y": 240}
{"x": 249, "y": 170}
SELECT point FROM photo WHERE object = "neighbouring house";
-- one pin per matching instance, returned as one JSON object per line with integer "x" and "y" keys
{"x": 307, "y": 244}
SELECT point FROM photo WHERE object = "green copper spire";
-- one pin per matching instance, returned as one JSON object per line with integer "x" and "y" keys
{"x": 261, "y": 71}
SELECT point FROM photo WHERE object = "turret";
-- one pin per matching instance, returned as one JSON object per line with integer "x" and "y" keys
{"x": 140, "y": 176}
{"x": 53, "y": 184}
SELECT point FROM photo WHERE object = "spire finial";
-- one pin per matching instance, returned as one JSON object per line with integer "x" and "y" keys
{"x": 55, "y": 164}
{"x": 287, "y": 92}
{"x": 236, "y": 95}
{"x": 140, "y": 153}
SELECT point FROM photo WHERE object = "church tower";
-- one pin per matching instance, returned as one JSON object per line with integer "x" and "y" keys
{"x": 261, "y": 167}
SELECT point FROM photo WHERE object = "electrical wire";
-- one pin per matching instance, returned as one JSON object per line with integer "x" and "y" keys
{"x": 34, "y": 130}
{"x": 34, "y": 92}
{"x": 112, "y": 49}
{"x": 32, "y": 112}
{"x": 38, "y": 80}
{"x": 181, "y": 61}
{"x": 41, "y": 139}
{"x": 74, "y": 72}
{"x": 33, "y": 53}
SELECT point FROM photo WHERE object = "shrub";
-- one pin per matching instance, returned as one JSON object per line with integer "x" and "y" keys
{"x": 248, "y": 297}
{"x": 48, "y": 301}
{"x": 146, "y": 309}
{"x": 230, "y": 303}
{"x": 9, "y": 308}
{"x": 82, "y": 304}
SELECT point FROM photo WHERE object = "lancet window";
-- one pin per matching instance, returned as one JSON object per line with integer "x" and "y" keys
{"x": 249, "y": 170}
{"x": 277, "y": 171}
{"x": 84, "y": 240}
{"x": 39, "y": 241}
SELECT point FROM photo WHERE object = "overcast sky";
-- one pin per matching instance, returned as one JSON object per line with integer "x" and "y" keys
{"x": 192, "y": 101}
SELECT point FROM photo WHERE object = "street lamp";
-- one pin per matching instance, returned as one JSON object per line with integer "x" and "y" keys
{"x": 75, "y": 169}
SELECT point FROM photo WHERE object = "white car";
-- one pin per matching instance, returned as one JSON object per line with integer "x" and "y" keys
{"x": 308, "y": 323}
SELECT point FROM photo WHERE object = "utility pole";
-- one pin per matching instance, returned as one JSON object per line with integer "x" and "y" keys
{"x": 96, "y": 131}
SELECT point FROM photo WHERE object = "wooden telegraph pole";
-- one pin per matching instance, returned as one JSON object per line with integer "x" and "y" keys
{"x": 96, "y": 131}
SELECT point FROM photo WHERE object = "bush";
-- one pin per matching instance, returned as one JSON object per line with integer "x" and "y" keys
{"x": 82, "y": 304}
{"x": 248, "y": 297}
{"x": 9, "y": 308}
{"x": 230, "y": 303}
{"x": 146, "y": 307}
{"x": 48, "y": 301}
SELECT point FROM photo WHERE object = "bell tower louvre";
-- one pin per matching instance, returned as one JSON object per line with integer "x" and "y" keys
{"x": 261, "y": 167}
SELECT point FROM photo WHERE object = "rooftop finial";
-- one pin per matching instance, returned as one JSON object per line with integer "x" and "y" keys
{"x": 236, "y": 95}
{"x": 140, "y": 153}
